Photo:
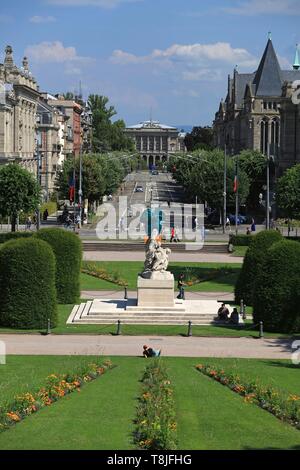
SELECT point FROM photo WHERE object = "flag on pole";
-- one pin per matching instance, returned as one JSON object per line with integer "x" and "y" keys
{"x": 236, "y": 180}
{"x": 71, "y": 189}
{"x": 235, "y": 184}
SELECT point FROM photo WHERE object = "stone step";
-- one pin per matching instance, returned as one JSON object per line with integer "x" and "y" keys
{"x": 125, "y": 321}
{"x": 178, "y": 247}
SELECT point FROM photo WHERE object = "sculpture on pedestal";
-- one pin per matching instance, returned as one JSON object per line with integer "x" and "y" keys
{"x": 157, "y": 258}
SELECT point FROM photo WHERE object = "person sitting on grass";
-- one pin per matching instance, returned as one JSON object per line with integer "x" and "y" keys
{"x": 150, "y": 352}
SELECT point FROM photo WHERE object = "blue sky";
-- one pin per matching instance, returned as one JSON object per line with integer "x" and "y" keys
{"x": 169, "y": 55}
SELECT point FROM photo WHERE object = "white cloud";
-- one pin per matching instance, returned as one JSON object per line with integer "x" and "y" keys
{"x": 270, "y": 7}
{"x": 42, "y": 19}
{"x": 192, "y": 54}
{"x": 53, "y": 52}
{"x": 95, "y": 3}
{"x": 202, "y": 75}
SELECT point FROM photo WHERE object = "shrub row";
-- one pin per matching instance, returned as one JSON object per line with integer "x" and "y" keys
{"x": 253, "y": 262}
{"x": 155, "y": 422}
{"x": 5, "y": 237}
{"x": 27, "y": 284}
{"x": 241, "y": 240}
{"x": 67, "y": 249}
{"x": 56, "y": 387}
{"x": 35, "y": 273}
{"x": 286, "y": 408}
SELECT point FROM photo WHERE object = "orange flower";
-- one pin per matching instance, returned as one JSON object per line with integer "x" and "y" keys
{"x": 294, "y": 398}
{"x": 13, "y": 416}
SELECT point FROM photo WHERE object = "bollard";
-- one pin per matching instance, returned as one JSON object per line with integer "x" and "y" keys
{"x": 190, "y": 329}
{"x": 125, "y": 293}
{"x": 242, "y": 308}
{"x": 49, "y": 327}
{"x": 261, "y": 329}
{"x": 119, "y": 328}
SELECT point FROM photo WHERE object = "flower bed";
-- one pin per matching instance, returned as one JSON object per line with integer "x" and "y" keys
{"x": 155, "y": 422}
{"x": 56, "y": 387}
{"x": 286, "y": 408}
{"x": 101, "y": 273}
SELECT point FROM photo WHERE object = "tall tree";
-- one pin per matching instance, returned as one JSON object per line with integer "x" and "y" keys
{"x": 288, "y": 192}
{"x": 107, "y": 135}
{"x": 19, "y": 191}
{"x": 254, "y": 164}
{"x": 199, "y": 138}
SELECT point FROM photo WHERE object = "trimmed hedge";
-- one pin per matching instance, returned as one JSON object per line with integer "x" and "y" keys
{"x": 27, "y": 284}
{"x": 252, "y": 265}
{"x": 68, "y": 252}
{"x": 277, "y": 289}
{"x": 241, "y": 240}
{"x": 5, "y": 237}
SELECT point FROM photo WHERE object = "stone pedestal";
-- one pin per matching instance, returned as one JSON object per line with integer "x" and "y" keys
{"x": 157, "y": 291}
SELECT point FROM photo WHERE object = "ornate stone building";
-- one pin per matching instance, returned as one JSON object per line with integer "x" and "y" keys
{"x": 18, "y": 107}
{"x": 250, "y": 117}
{"x": 290, "y": 125}
{"x": 155, "y": 141}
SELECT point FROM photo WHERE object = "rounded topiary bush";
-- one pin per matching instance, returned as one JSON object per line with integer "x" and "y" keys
{"x": 27, "y": 284}
{"x": 253, "y": 261}
{"x": 5, "y": 237}
{"x": 277, "y": 289}
{"x": 68, "y": 252}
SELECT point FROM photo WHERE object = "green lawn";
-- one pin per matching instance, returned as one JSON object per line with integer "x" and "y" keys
{"x": 129, "y": 270}
{"x": 240, "y": 251}
{"x": 209, "y": 416}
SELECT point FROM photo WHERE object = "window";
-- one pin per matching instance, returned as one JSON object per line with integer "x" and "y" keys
{"x": 264, "y": 136}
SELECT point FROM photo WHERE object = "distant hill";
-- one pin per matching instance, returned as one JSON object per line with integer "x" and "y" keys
{"x": 185, "y": 127}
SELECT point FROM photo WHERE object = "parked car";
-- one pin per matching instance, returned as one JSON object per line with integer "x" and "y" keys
{"x": 241, "y": 219}
{"x": 154, "y": 172}
{"x": 139, "y": 189}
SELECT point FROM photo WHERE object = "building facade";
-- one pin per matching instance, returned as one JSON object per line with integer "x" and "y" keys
{"x": 155, "y": 142}
{"x": 72, "y": 111}
{"x": 250, "y": 117}
{"x": 18, "y": 108}
{"x": 290, "y": 125}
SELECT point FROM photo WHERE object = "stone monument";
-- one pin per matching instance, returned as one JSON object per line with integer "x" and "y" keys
{"x": 155, "y": 284}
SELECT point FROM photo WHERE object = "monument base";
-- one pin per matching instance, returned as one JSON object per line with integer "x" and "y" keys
{"x": 156, "y": 291}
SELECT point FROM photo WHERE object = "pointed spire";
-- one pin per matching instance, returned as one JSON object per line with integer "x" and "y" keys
{"x": 296, "y": 65}
{"x": 268, "y": 78}
{"x": 270, "y": 35}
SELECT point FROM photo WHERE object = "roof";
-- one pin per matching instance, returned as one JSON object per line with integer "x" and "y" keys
{"x": 152, "y": 125}
{"x": 268, "y": 77}
{"x": 241, "y": 82}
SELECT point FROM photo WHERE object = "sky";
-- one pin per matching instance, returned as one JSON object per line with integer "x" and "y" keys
{"x": 165, "y": 59}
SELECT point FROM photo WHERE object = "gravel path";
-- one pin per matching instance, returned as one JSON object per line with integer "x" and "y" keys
{"x": 132, "y": 346}
{"x": 187, "y": 256}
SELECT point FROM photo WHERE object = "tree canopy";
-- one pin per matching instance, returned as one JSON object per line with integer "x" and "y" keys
{"x": 101, "y": 174}
{"x": 199, "y": 138}
{"x": 202, "y": 176}
{"x": 107, "y": 135}
{"x": 288, "y": 192}
{"x": 19, "y": 191}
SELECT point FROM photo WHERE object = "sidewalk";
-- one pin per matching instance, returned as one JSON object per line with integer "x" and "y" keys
{"x": 132, "y": 346}
{"x": 187, "y": 256}
{"x": 119, "y": 294}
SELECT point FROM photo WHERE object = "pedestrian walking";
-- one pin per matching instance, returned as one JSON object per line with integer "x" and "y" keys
{"x": 28, "y": 223}
{"x": 181, "y": 286}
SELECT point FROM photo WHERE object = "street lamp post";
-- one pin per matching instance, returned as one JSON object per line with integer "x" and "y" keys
{"x": 225, "y": 190}
{"x": 80, "y": 189}
{"x": 268, "y": 190}
{"x": 38, "y": 212}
